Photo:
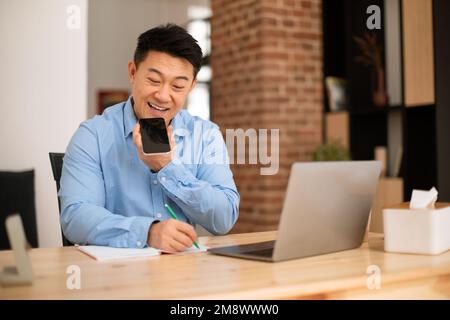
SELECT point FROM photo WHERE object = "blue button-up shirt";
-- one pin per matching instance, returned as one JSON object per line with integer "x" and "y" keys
{"x": 110, "y": 197}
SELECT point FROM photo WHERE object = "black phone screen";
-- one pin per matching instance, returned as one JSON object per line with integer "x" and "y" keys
{"x": 154, "y": 135}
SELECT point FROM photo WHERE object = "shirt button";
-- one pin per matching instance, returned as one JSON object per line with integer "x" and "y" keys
{"x": 155, "y": 181}
{"x": 139, "y": 243}
{"x": 159, "y": 215}
{"x": 163, "y": 179}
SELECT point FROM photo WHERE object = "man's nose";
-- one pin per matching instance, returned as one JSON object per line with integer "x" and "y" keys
{"x": 163, "y": 94}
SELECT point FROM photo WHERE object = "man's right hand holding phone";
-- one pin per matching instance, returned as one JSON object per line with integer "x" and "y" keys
{"x": 154, "y": 161}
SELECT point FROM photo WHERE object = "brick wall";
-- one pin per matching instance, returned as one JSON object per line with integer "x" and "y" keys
{"x": 267, "y": 69}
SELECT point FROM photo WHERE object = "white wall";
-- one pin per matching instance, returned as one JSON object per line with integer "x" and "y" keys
{"x": 114, "y": 26}
{"x": 43, "y": 84}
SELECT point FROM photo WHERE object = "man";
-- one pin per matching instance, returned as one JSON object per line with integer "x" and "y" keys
{"x": 114, "y": 195}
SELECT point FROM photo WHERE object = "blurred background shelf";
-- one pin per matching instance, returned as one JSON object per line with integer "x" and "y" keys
{"x": 415, "y": 48}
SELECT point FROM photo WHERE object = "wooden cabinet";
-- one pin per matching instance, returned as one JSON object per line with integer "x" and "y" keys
{"x": 337, "y": 128}
{"x": 389, "y": 192}
{"x": 418, "y": 52}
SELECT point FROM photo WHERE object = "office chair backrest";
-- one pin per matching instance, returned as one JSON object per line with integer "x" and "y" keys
{"x": 17, "y": 195}
{"x": 56, "y": 160}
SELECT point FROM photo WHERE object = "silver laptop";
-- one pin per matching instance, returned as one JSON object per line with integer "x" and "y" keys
{"x": 326, "y": 209}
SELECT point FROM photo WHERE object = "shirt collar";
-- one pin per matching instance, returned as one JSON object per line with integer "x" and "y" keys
{"x": 129, "y": 120}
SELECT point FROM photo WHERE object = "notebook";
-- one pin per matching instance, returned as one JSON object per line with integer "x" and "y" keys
{"x": 102, "y": 253}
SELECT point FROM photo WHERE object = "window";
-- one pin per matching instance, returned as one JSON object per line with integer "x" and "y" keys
{"x": 199, "y": 27}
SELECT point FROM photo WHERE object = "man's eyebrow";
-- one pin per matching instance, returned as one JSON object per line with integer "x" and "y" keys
{"x": 160, "y": 73}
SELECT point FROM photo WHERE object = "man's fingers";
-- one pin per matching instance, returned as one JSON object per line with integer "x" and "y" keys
{"x": 136, "y": 133}
{"x": 177, "y": 246}
{"x": 168, "y": 248}
{"x": 182, "y": 238}
{"x": 171, "y": 137}
{"x": 137, "y": 139}
{"x": 136, "y": 129}
{"x": 187, "y": 229}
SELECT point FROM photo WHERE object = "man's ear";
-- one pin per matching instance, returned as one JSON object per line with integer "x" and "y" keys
{"x": 131, "y": 71}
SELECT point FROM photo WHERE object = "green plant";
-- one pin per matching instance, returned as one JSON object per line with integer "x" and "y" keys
{"x": 331, "y": 151}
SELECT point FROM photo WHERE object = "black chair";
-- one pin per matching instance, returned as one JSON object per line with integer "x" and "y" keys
{"x": 17, "y": 195}
{"x": 56, "y": 160}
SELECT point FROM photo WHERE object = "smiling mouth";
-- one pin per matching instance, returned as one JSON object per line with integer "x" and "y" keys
{"x": 156, "y": 107}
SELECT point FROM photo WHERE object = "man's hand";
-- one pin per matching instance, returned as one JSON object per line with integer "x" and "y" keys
{"x": 158, "y": 161}
{"x": 171, "y": 235}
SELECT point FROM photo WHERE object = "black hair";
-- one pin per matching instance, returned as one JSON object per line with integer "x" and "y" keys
{"x": 171, "y": 39}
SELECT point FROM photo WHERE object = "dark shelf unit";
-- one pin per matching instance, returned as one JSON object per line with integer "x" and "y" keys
{"x": 419, "y": 134}
{"x": 423, "y": 131}
{"x": 441, "y": 27}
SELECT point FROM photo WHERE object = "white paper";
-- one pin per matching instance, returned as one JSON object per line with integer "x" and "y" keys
{"x": 103, "y": 253}
{"x": 421, "y": 199}
{"x": 191, "y": 250}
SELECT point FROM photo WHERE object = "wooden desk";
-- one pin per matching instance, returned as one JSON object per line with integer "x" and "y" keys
{"x": 206, "y": 276}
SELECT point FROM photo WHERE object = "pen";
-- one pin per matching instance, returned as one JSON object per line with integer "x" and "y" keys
{"x": 173, "y": 215}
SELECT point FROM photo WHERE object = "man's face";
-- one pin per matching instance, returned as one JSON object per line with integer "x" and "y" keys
{"x": 160, "y": 85}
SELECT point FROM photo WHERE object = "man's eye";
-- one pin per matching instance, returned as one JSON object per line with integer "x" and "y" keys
{"x": 153, "y": 81}
{"x": 178, "y": 87}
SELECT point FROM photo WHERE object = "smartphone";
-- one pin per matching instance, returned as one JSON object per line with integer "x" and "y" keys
{"x": 154, "y": 136}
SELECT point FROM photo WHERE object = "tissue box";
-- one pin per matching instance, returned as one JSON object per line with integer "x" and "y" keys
{"x": 423, "y": 231}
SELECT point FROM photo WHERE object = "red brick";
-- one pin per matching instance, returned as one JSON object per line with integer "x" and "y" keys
{"x": 267, "y": 63}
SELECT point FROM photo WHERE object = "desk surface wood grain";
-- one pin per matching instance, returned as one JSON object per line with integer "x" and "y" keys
{"x": 346, "y": 274}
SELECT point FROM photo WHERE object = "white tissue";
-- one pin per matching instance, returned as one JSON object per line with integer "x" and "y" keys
{"x": 421, "y": 199}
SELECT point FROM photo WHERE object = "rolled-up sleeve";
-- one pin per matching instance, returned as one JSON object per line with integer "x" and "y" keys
{"x": 210, "y": 197}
